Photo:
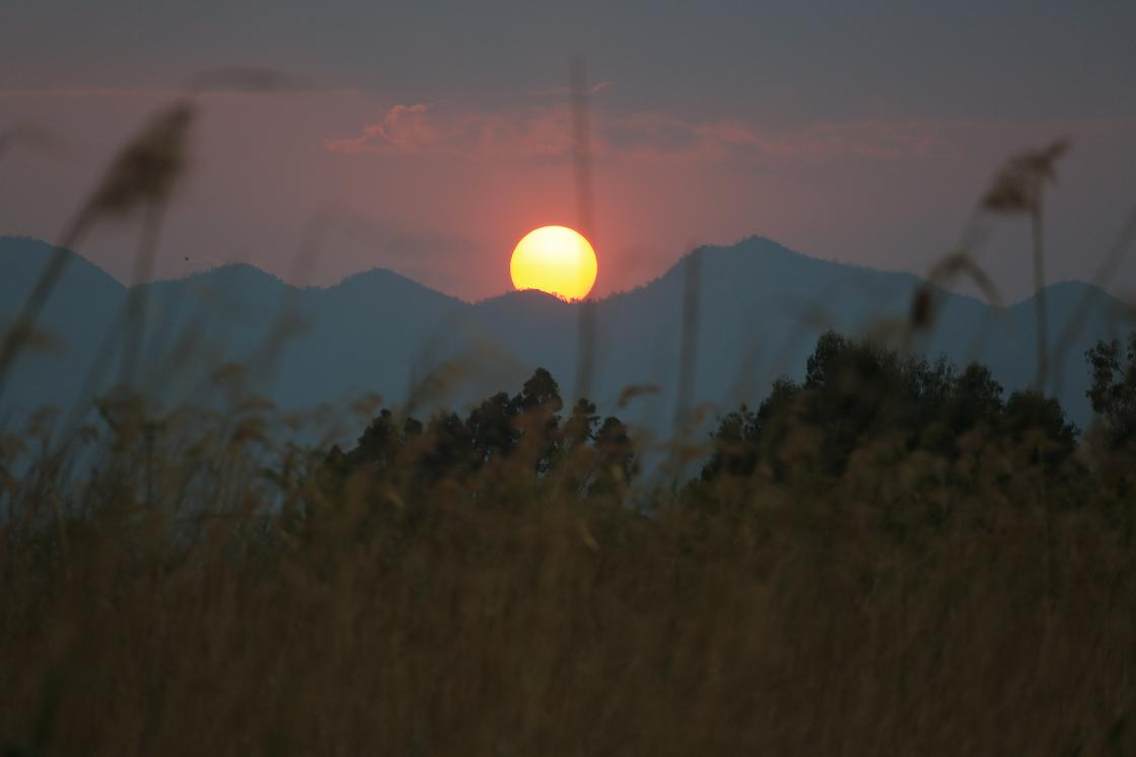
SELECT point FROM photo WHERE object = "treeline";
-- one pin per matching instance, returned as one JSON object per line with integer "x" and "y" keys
{"x": 856, "y": 399}
{"x": 856, "y": 395}
{"x": 526, "y": 426}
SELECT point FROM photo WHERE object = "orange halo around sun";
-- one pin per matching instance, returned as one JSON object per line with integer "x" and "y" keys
{"x": 556, "y": 260}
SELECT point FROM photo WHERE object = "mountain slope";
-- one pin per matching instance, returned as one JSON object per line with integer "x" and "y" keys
{"x": 761, "y": 308}
{"x": 78, "y": 314}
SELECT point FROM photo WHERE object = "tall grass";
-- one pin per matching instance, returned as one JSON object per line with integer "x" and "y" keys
{"x": 206, "y": 593}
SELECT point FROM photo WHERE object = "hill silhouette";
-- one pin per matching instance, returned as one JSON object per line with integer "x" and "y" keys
{"x": 761, "y": 308}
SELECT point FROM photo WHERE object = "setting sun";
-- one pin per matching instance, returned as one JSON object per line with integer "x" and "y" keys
{"x": 556, "y": 260}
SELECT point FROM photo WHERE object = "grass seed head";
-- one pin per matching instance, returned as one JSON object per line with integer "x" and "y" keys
{"x": 148, "y": 168}
{"x": 1018, "y": 186}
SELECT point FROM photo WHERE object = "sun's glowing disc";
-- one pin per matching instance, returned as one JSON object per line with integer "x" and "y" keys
{"x": 556, "y": 260}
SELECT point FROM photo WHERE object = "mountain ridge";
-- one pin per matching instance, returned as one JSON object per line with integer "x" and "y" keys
{"x": 737, "y": 248}
{"x": 761, "y": 307}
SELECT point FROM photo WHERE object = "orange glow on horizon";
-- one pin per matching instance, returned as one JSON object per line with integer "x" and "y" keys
{"x": 556, "y": 260}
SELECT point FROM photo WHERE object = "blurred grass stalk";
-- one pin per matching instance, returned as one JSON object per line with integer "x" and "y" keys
{"x": 1019, "y": 188}
{"x": 582, "y": 178}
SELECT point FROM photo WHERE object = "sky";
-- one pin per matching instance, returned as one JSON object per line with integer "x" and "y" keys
{"x": 429, "y": 137}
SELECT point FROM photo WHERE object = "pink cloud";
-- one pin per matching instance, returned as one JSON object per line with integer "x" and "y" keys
{"x": 404, "y": 128}
{"x": 535, "y": 133}
{"x": 544, "y": 133}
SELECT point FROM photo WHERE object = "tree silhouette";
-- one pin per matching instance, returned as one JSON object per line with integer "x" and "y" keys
{"x": 540, "y": 392}
{"x": 500, "y": 427}
{"x": 1038, "y": 421}
{"x": 580, "y": 427}
{"x": 492, "y": 427}
{"x": 854, "y": 394}
{"x": 379, "y": 442}
{"x": 1113, "y": 391}
{"x": 451, "y": 451}
{"x": 616, "y": 460}
{"x": 857, "y": 392}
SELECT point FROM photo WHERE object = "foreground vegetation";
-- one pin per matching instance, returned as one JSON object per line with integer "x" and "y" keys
{"x": 888, "y": 557}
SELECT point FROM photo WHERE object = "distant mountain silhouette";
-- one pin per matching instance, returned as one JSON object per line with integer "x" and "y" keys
{"x": 762, "y": 307}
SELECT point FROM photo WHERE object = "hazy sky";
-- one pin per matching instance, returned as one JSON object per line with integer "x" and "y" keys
{"x": 433, "y": 135}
